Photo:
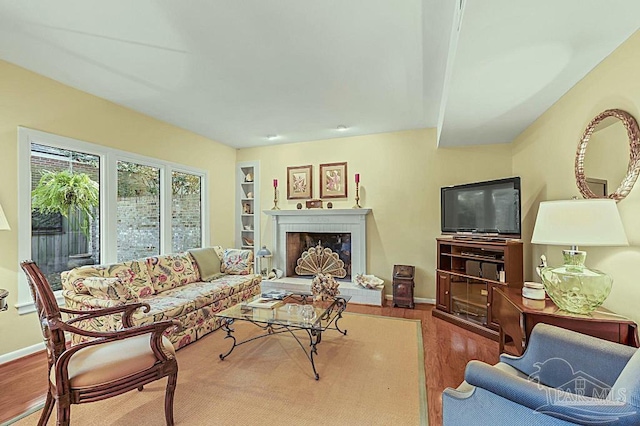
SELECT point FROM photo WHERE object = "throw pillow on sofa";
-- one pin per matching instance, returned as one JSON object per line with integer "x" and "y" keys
{"x": 172, "y": 270}
{"x": 237, "y": 262}
{"x": 208, "y": 262}
{"x": 110, "y": 289}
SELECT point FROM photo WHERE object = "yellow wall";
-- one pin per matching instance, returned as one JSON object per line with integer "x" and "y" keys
{"x": 400, "y": 174}
{"x": 36, "y": 102}
{"x": 544, "y": 157}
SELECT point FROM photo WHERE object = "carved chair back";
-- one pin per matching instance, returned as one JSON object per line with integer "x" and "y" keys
{"x": 47, "y": 308}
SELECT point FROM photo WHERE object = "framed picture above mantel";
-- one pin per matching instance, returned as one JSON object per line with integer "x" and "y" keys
{"x": 333, "y": 180}
{"x": 299, "y": 182}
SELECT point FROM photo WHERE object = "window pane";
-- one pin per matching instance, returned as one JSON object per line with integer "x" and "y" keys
{"x": 138, "y": 211}
{"x": 65, "y": 230}
{"x": 186, "y": 211}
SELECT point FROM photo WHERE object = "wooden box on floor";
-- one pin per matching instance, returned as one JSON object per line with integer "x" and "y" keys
{"x": 403, "y": 284}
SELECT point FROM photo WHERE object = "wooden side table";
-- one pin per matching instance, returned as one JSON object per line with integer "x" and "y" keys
{"x": 403, "y": 284}
{"x": 517, "y": 316}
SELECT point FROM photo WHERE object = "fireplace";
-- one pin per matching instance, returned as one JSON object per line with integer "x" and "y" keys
{"x": 343, "y": 237}
{"x": 299, "y": 242}
{"x": 344, "y": 231}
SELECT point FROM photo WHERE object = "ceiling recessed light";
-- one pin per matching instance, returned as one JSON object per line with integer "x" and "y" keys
{"x": 341, "y": 128}
{"x": 272, "y": 137}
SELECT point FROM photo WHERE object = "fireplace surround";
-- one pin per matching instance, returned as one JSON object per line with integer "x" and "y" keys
{"x": 342, "y": 222}
{"x": 330, "y": 222}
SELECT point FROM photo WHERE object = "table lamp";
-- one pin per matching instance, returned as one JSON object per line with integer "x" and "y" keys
{"x": 593, "y": 222}
{"x": 4, "y": 226}
{"x": 262, "y": 254}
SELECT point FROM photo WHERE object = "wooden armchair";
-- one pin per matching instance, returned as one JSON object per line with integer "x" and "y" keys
{"x": 110, "y": 364}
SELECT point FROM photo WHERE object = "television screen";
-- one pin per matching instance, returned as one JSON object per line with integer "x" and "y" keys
{"x": 491, "y": 207}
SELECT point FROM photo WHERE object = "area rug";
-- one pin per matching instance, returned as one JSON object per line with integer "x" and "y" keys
{"x": 372, "y": 376}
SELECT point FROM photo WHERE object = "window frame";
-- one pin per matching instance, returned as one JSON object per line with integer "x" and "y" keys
{"x": 109, "y": 158}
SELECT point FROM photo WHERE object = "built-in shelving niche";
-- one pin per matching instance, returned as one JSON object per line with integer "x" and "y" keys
{"x": 248, "y": 205}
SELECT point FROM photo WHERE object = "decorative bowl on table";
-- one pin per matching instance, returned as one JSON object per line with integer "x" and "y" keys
{"x": 368, "y": 281}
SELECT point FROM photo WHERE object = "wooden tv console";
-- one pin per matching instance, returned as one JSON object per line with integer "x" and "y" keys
{"x": 468, "y": 270}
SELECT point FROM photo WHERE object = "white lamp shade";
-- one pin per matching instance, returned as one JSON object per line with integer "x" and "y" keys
{"x": 591, "y": 222}
{"x": 4, "y": 224}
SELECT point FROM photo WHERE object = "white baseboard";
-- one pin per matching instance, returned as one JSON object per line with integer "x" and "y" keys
{"x": 21, "y": 352}
{"x": 415, "y": 299}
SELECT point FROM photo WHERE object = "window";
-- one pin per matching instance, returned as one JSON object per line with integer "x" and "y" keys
{"x": 138, "y": 211}
{"x": 65, "y": 204}
{"x": 186, "y": 211}
{"x": 138, "y": 206}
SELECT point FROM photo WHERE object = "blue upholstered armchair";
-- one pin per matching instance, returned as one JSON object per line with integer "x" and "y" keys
{"x": 563, "y": 378}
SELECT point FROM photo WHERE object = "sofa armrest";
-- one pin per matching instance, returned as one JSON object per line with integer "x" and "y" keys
{"x": 126, "y": 311}
{"x": 578, "y": 409}
{"x": 555, "y": 354}
{"x": 506, "y": 385}
{"x": 83, "y": 302}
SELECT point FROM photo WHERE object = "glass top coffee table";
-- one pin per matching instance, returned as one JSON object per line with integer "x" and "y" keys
{"x": 295, "y": 312}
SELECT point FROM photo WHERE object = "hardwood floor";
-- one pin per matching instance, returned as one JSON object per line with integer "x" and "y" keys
{"x": 24, "y": 385}
{"x": 447, "y": 349}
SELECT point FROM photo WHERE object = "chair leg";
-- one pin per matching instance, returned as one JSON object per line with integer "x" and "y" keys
{"x": 140, "y": 388}
{"x": 168, "y": 399}
{"x": 64, "y": 414}
{"x": 47, "y": 410}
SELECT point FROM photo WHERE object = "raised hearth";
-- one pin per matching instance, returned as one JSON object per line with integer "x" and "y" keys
{"x": 358, "y": 294}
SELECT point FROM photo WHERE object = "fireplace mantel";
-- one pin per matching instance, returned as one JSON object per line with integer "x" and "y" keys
{"x": 318, "y": 212}
{"x": 321, "y": 220}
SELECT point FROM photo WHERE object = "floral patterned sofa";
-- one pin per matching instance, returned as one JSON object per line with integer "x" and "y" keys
{"x": 189, "y": 287}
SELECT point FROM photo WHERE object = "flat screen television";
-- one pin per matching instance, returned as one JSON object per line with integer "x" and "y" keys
{"x": 482, "y": 208}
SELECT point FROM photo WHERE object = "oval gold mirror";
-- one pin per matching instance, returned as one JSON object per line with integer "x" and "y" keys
{"x": 613, "y": 138}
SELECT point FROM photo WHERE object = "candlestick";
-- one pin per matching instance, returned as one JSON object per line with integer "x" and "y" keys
{"x": 275, "y": 196}
{"x": 357, "y": 206}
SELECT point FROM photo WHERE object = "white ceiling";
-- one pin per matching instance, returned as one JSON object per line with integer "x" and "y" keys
{"x": 514, "y": 59}
{"x": 237, "y": 71}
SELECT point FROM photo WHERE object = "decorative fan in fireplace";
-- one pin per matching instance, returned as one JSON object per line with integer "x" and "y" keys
{"x": 320, "y": 260}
